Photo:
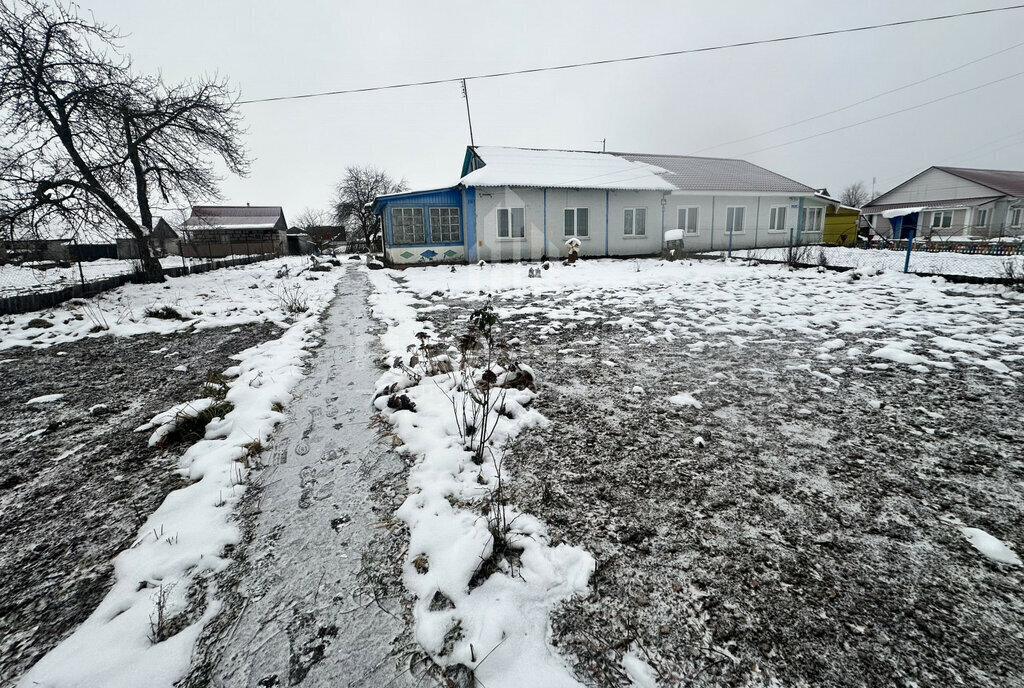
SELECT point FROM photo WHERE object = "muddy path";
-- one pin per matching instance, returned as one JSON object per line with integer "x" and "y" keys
{"x": 314, "y": 597}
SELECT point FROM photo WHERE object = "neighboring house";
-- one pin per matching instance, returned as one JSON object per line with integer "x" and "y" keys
{"x": 214, "y": 231}
{"x": 944, "y": 202}
{"x": 523, "y": 204}
{"x": 163, "y": 241}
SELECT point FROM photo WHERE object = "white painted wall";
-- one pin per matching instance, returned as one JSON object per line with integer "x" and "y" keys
{"x": 934, "y": 185}
{"x": 711, "y": 228}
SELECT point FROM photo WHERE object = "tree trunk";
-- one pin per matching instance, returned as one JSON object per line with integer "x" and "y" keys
{"x": 151, "y": 270}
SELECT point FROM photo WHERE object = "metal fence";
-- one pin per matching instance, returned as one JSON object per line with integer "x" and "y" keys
{"x": 999, "y": 260}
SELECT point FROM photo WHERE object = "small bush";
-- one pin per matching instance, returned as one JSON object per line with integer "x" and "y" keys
{"x": 1012, "y": 271}
{"x": 191, "y": 429}
{"x": 38, "y": 323}
{"x": 164, "y": 313}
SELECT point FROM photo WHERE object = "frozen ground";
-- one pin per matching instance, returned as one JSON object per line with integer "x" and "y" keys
{"x": 76, "y": 483}
{"x": 804, "y": 511}
{"x": 139, "y": 347}
{"x": 921, "y": 261}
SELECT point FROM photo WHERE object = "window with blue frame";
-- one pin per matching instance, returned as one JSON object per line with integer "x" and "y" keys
{"x": 444, "y": 225}
{"x": 407, "y": 226}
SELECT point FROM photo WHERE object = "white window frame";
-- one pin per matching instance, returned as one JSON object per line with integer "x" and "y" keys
{"x": 730, "y": 219}
{"x": 1015, "y": 216}
{"x": 412, "y": 211}
{"x": 510, "y": 235}
{"x": 981, "y": 217}
{"x": 445, "y": 225}
{"x": 810, "y": 212}
{"x": 629, "y": 223}
{"x": 773, "y": 216}
{"x": 574, "y": 231}
{"x": 939, "y": 218}
{"x": 687, "y": 211}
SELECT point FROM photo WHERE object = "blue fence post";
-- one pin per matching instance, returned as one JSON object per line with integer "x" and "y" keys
{"x": 910, "y": 243}
{"x": 789, "y": 257}
{"x": 730, "y": 245}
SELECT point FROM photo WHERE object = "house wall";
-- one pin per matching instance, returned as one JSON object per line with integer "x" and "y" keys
{"x": 545, "y": 223}
{"x": 712, "y": 216}
{"x": 934, "y": 185}
{"x": 427, "y": 251}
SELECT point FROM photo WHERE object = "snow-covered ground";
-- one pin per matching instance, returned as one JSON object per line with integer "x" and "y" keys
{"x": 135, "y": 636}
{"x": 766, "y": 466}
{"x": 921, "y": 261}
{"x": 25, "y": 279}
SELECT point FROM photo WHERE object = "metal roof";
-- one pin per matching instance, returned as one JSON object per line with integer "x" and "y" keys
{"x": 1008, "y": 182}
{"x": 689, "y": 173}
{"x": 207, "y": 216}
{"x": 931, "y": 205}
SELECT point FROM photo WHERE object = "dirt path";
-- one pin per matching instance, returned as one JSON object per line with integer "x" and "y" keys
{"x": 314, "y": 598}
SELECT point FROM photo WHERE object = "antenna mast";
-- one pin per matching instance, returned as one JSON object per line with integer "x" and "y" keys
{"x": 465, "y": 94}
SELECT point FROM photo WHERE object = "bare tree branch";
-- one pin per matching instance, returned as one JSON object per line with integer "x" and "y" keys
{"x": 88, "y": 142}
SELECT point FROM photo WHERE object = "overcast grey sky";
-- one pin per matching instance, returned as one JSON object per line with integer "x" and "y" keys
{"x": 676, "y": 105}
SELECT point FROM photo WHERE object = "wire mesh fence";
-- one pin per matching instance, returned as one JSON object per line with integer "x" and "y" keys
{"x": 35, "y": 284}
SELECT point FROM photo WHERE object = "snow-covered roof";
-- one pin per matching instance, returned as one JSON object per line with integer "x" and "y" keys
{"x": 918, "y": 206}
{"x": 638, "y": 171}
{"x": 564, "y": 169}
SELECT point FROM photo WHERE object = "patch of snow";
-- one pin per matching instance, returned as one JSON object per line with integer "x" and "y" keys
{"x": 684, "y": 399}
{"x": 992, "y": 547}
{"x": 640, "y": 673}
{"x": 900, "y": 212}
{"x": 45, "y": 399}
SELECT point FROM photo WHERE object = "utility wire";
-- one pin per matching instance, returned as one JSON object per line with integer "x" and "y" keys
{"x": 859, "y": 102}
{"x": 634, "y": 58}
{"x": 888, "y": 114}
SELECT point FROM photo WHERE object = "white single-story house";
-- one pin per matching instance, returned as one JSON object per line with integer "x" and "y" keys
{"x": 951, "y": 202}
{"x": 523, "y": 204}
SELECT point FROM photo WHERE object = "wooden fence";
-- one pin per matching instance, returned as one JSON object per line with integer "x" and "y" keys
{"x": 25, "y": 303}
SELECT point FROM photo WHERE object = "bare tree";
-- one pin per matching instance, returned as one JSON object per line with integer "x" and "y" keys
{"x": 90, "y": 142}
{"x": 855, "y": 195}
{"x": 354, "y": 195}
{"x": 317, "y": 224}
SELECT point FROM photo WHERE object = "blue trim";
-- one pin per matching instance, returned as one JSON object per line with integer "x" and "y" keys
{"x": 544, "y": 252}
{"x": 606, "y": 223}
{"x": 469, "y": 223}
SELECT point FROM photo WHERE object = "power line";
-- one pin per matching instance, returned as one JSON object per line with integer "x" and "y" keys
{"x": 888, "y": 114}
{"x": 860, "y": 102}
{"x": 634, "y": 58}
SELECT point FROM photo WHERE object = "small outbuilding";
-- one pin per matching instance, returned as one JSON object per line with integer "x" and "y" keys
{"x": 215, "y": 231}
